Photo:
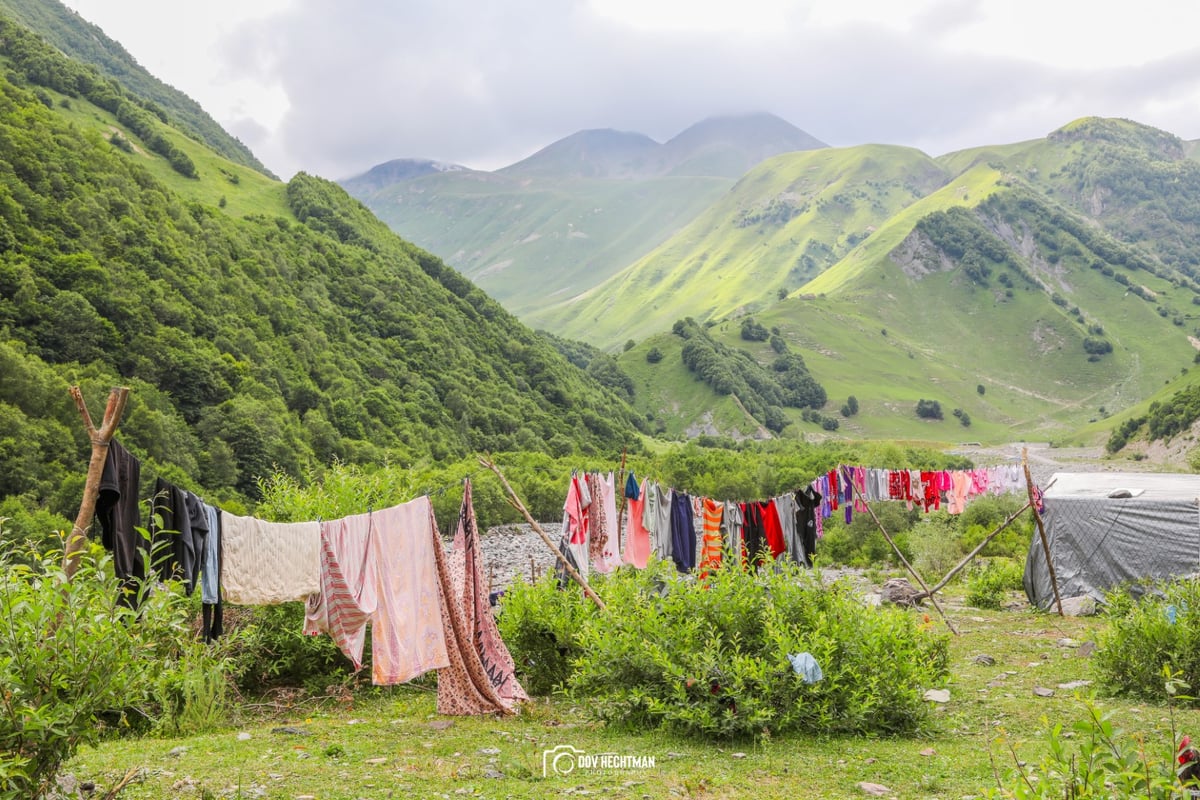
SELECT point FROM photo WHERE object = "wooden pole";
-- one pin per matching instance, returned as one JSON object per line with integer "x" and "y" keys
{"x": 904, "y": 560}
{"x": 516, "y": 503}
{"x": 77, "y": 541}
{"x": 1041, "y": 530}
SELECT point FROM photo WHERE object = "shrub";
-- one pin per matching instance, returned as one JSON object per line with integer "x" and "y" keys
{"x": 710, "y": 658}
{"x": 654, "y": 355}
{"x": 1144, "y": 637}
{"x": 270, "y": 650}
{"x": 541, "y": 626}
{"x": 929, "y": 409}
{"x": 990, "y": 582}
{"x": 1095, "y": 760}
{"x": 69, "y": 653}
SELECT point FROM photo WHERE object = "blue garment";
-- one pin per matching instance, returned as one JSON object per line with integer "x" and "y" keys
{"x": 683, "y": 533}
{"x": 804, "y": 665}
{"x": 210, "y": 570}
{"x": 632, "y": 490}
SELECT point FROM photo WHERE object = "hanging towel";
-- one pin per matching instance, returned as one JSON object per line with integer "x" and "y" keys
{"x": 349, "y": 594}
{"x": 264, "y": 563}
{"x": 787, "y": 509}
{"x": 637, "y": 538}
{"x": 710, "y": 551}
{"x": 408, "y": 636}
{"x": 457, "y": 691}
{"x": 211, "y": 627}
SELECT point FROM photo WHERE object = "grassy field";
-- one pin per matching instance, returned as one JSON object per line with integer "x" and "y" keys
{"x": 391, "y": 743}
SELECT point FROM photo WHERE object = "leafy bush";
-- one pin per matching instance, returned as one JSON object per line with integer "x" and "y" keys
{"x": 1104, "y": 762}
{"x": 990, "y": 582}
{"x": 929, "y": 409}
{"x": 270, "y": 650}
{"x": 69, "y": 653}
{"x": 541, "y": 626}
{"x": 1144, "y": 637}
{"x": 710, "y": 659}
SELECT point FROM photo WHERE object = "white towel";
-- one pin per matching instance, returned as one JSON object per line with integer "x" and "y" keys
{"x": 264, "y": 563}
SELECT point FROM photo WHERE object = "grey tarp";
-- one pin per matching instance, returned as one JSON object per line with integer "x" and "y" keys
{"x": 1106, "y": 528}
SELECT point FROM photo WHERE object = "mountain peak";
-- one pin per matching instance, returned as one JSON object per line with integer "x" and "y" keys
{"x": 398, "y": 169}
{"x": 730, "y": 145}
{"x": 1126, "y": 132}
{"x": 592, "y": 153}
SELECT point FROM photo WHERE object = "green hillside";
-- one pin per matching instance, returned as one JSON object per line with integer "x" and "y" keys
{"x": 281, "y": 339}
{"x": 86, "y": 43}
{"x": 784, "y": 223}
{"x": 1007, "y": 278}
{"x": 526, "y": 242}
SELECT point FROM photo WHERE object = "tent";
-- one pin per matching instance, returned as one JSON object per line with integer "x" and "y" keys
{"x": 1108, "y": 528}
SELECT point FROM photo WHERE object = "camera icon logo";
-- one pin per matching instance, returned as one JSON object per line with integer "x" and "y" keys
{"x": 559, "y": 760}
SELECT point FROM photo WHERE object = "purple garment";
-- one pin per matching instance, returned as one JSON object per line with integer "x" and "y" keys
{"x": 683, "y": 533}
{"x": 846, "y": 478}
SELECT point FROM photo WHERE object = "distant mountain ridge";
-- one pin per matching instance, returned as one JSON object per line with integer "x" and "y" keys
{"x": 723, "y": 146}
{"x": 572, "y": 214}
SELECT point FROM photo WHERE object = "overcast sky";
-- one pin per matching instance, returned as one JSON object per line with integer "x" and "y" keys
{"x": 335, "y": 88}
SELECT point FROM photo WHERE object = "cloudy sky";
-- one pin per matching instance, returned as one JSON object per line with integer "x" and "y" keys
{"x": 335, "y": 88}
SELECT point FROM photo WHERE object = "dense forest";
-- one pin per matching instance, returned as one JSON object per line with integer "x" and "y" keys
{"x": 251, "y": 344}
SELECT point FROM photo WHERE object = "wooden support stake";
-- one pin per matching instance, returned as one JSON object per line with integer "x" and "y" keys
{"x": 516, "y": 503}
{"x": 971, "y": 555}
{"x": 77, "y": 541}
{"x": 1041, "y": 530}
{"x": 904, "y": 560}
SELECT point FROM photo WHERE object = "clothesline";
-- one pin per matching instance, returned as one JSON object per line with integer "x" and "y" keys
{"x": 665, "y": 521}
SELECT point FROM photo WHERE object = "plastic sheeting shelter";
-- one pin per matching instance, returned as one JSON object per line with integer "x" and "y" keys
{"x": 1106, "y": 528}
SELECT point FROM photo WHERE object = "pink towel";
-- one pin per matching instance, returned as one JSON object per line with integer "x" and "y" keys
{"x": 349, "y": 592}
{"x": 407, "y": 635}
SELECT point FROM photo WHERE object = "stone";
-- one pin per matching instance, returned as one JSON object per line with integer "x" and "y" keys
{"x": 984, "y": 660}
{"x": 1072, "y": 685}
{"x": 376, "y": 761}
{"x": 289, "y": 730}
{"x": 489, "y": 751}
{"x": 928, "y": 751}
{"x": 873, "y": 789}
{"x": 176, "y": 752}
{"x": 937, "y": 695}
{"x": 244, "y": 737}
{"x": 898, "y": 591}
{"x": 1085, "y": 650}
{"x": 1065, "y": 642}
{"x": 494, "y": 774}
{"x": 737, "y": 755}
{"x": 441, "y": 724}
{"x": 1042, "y": 691}
{"x": 1084, "y": 606}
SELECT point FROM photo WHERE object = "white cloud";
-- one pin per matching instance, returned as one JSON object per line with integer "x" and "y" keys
{"x": 337, "y": 88}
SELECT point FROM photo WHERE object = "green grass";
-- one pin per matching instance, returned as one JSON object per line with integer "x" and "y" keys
{"x": 385, "y": 744}
{"x": 530, "y": 243}
{"x": 782, "y": 224}
{"x": 244, "y": 190}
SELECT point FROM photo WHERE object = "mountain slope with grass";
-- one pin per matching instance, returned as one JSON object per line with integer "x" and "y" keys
{"x": 784, "y": 223}
{"x": 255, "y": 342}
{"x": 561, "y": 221}
{"x": 81, "y": 40}
{"x": 1006, "y": 295}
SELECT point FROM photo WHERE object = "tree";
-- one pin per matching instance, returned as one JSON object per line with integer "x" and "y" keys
{"x": 929, "y": 409}
{"x": 654, "y": 355}
{"x": 980, "y": 389}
